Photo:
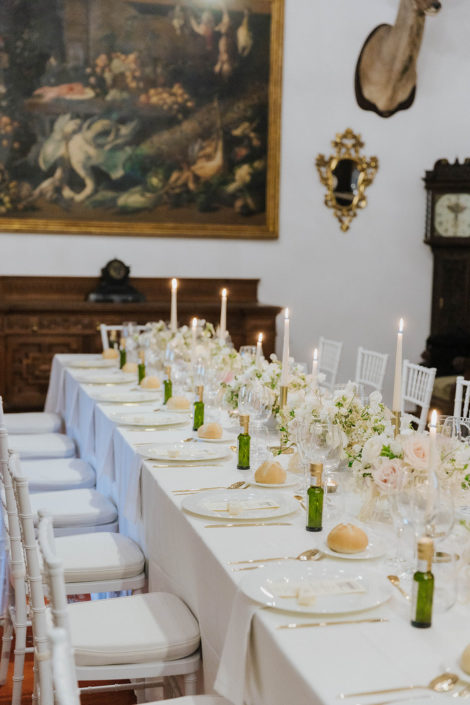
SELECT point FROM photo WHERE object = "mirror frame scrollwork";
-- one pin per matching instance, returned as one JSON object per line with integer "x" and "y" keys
{"x": 347, "y": 145}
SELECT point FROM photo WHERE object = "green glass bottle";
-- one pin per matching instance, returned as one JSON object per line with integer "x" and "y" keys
{"x": 244, "y": 443}
{"x": 122, "y": 353}
{"x": 423, "y": 585}
{"x": 141, "y": 366}
{"x": 315, "y": 498}
{"x": 199, "y": 408}
{"x": 167, "y": 386}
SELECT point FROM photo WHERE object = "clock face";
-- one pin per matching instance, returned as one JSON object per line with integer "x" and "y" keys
{"x": 452, "y": 215}
{"x": 117, "y": 269}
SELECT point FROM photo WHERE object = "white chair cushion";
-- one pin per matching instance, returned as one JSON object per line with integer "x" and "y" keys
{"x": 33, "y": 422}
{"x": 58, "y": 474}
{"x": 99, "y": 556}
{"x": 74, "y": 507}
{"x": 42, "y": 445}
{"x": 137, "y": 629}
{"x": 193, "y": 700}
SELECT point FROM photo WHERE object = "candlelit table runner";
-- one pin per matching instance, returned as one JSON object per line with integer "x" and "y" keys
{"x": 302, "y": 666}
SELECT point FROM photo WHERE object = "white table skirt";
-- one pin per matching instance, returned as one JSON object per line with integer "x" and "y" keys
{"x": 305, "y": 666}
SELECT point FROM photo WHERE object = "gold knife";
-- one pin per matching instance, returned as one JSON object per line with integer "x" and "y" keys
{"x": 261, "y": 523}
{"x": 330, "y": 624}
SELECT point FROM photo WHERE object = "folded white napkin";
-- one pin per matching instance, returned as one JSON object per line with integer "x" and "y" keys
{"x": 231, "y": 676}
{"x": 55, "y": 392}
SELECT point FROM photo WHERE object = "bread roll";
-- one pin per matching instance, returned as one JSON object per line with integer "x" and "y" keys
{"x": 110, "y": 354}
{"x": 150, "y": 382}
{"x": 210, "y": 430}
{"x": 270, "y": 473}
{"x": 177, "y": 403}
{"x": 465, "y": 660}
{"x": 347, "y": 538}
{"x": 130, "y": 367}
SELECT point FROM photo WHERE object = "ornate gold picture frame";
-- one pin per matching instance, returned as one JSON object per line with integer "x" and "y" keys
{"x": 141, "y": 117}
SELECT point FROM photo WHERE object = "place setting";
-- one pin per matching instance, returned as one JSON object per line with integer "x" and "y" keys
{"x": 182, "y": 454}
{"x": 149, "y": 420}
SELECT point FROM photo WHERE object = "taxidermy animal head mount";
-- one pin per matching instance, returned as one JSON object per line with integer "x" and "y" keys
{"x": 386, "y": 76}
{"x": 346, "y": 175}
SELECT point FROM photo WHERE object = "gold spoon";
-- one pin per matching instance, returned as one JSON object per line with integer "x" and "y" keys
{"x": 312, "y": 554}
{"x": 235, "y": 486}
{"x": 441, "y": 684}
{"x": 395, "y": 580}
{"x": 301, "y": 500}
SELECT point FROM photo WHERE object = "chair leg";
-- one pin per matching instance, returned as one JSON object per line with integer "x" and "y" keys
{"x": 190, "y": 683}
{"x": 6, "y": 648}
{"x": 18, "y": 669}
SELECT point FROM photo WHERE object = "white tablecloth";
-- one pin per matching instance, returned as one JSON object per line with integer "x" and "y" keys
{"x": 301, "y": 667}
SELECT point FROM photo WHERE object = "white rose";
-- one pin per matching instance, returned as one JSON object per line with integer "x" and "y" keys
{"x": 388, "y": 475}
{"x": 416, "y": 451}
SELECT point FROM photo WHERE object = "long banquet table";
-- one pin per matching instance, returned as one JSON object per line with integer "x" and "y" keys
{"x": 303, "y": 666}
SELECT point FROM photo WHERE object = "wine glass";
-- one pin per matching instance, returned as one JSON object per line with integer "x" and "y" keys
{"x": 456, "y": 427}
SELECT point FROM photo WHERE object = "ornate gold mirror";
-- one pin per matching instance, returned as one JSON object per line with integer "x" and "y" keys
{"x": 346, "y": 175}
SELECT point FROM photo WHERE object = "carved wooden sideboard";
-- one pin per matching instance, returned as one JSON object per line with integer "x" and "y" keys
{"x": 42, "y": 316}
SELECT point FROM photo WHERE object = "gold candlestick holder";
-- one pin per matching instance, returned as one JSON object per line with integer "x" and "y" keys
{"x": 396, "y": 420}
{"x": 283, "y": 396}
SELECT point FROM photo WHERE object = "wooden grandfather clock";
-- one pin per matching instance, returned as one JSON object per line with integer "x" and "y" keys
{"x": 448, "y": 235}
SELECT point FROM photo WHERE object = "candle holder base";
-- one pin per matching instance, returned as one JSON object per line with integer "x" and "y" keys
{"x": 396, "y": 421}
{"x": 284, "y": 390}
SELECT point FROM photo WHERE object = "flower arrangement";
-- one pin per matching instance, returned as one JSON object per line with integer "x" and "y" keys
{"x": 391, "y": 463}
{"x": 357, "y": 421}
{"x": 268, "y": 374}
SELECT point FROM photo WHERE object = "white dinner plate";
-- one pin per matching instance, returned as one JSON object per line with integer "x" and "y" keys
{"x": 240, "y": 505}
{"x": 113, "y": 377}
{"x": 375, "y": 548}
{"x": 226, "y": 438}
{"x": 268, "y": 587}
{"x": 95, "y": 364}
{"x": 182, "y": 452}
{"x": 149, "y": 420}
{"x": 291, "y": 480}
{"x": 125, "y": 397}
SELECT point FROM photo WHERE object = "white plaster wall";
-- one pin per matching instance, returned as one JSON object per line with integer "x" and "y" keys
{"x": 354, "y": 286}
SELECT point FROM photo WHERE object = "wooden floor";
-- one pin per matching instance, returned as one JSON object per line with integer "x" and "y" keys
{"x": 125, "y": 698}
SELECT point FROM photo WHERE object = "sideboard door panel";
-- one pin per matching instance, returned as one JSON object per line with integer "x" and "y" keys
{"x": 28, "y": 366}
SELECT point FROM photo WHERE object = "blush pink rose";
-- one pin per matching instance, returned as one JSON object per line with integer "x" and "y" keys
{"x": 416, "y": 451}
{"x": 388, "y": 476}
{"x": 228, "y": 377}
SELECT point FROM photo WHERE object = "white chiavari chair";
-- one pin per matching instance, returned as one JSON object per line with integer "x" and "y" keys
{"x": 48, "y": 459}
{"x": 105, "y": 329}
{"x": 33, "y": 422}
{"x": 462, "y": 401}
{"x": 65, "y": 679}
{"x": 329, "y": 355}
{"x": 370, "y": 368}
{"x": 93, "y": 563}
{"x": 143, "y": 638}
{"x": 417, "y": 386}
{"x": 15, "y": 617}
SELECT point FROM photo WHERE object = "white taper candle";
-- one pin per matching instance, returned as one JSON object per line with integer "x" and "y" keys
{"x": 259, "y": 350}
{"x": 223, "y": 315}
{"x": 315, "y": 368}
{"x": 285, "y": 351}
{"x": 174, "y": 312}
{"x": 396, "y": 405}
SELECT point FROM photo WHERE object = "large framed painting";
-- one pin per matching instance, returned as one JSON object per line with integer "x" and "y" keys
{"x": 140, "y": 117}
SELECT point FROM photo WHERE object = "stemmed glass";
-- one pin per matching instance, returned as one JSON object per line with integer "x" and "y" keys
{"x": 256, "y": 400}
{"x": 319, "y": 442}
{"x": 456, "y": 427}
